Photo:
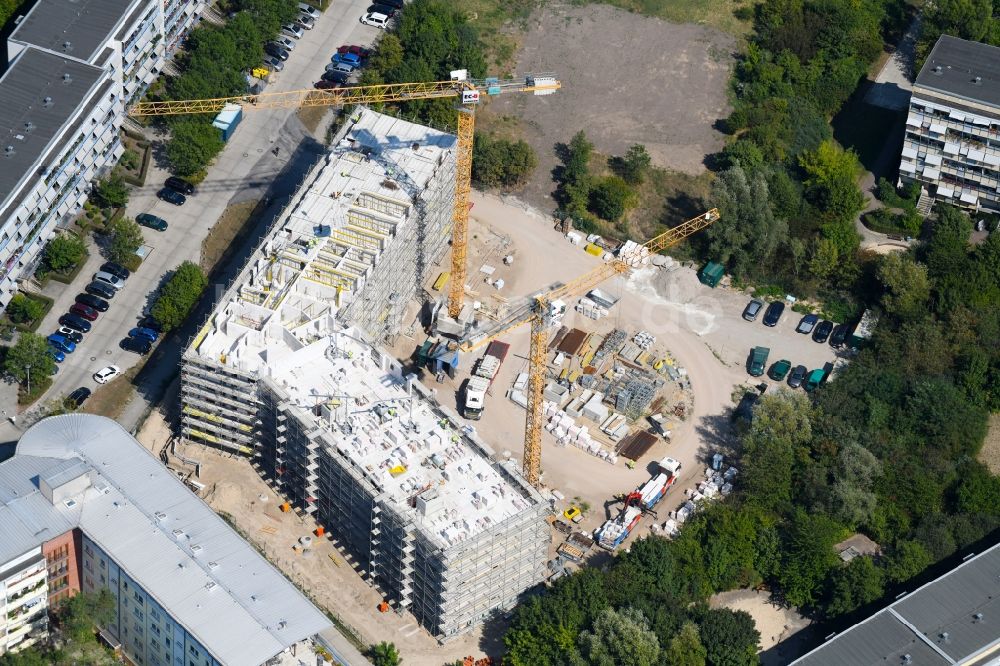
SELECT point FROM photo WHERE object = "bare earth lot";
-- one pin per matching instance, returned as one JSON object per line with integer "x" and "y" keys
{"x": 626, "y": 79}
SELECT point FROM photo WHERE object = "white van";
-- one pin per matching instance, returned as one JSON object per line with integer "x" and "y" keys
{"x": 309, "y": 10}
{"x": 375, "y": 19}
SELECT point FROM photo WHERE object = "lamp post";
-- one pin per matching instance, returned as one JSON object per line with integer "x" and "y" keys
{"x": 28, "y": 369}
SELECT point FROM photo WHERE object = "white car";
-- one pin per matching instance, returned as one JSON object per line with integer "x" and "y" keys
{"x": 309, "y": 10}
{"x": 375, "y": 19}
{"x": 285, "y": 42}
{"x": 292, "y": 30}
{"x": 305, "y": 21}
{"x": 105, "y": 375}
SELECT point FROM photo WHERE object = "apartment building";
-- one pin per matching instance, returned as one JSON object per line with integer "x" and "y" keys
{"x": 75, "y": 67}
{"x": 952, "y": 143}
{"x": 83, "y": 506}
{"x": 285, "y": 371}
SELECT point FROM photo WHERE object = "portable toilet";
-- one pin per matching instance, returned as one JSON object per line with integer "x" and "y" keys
{"x": 711, "y": 274}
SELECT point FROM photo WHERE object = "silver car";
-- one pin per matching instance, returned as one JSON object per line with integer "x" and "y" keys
{"x": 274, "y": 64}
{"x": 292, "y": 30}
{"x": 108, "y": 278}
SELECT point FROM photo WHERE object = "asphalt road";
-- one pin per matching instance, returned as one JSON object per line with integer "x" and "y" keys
{"x": 248, "y": 168}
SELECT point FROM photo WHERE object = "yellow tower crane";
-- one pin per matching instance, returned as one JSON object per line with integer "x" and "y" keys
{"x": 469, "y": 92}
{"x": 544, "y": 307}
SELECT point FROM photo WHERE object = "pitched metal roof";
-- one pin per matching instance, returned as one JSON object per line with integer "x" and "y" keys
{"x": 239, "y": 607}
{"x": 965, "y": 69}
{"x": 85, "y": 24}
{"x": 952, "y": 619}
{"x": 45, "y": 90}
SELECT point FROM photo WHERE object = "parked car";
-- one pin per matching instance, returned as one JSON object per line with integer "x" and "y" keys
{"x": 347, "y": 59}
{"x": 56, "y": 355}
{"x": 359, "y": 51}
{"x": 61, "y": 343}
{"x": 151, "y": 324}
{"x": 379, "y": 21}
{"x": 336, "y": 77}
{"x": 95, "y": 302}
{"x": 807, "y": 324}
{"x": 823, "y": 331}
{"x": 797, "y": 377}
{"x": 757, "y": 361}
{"x": 109, "y": 279}
{"x": 151, "y": 221}
{"x": 292, "y": 30}
{"x": 839, "y": 336}
{"x": 85, "y": 311}
{"x": 105, "y": 375}
{"x": 285, "y": 42}
{"x": 70, "y": 334}
{"x": 117, "y": 270}
{"x": 753, "y": 309}
{"x": 78, "y": 397}
{"x": 144, "y": 333}
{"x": 305, "y": 21}
{"x": 100, "y": 289}
{"x": 75, "y": 322}
{"x": 326, "y": 85}
{"x": 814, "y": 379}
{"x": 273, "y": 64}
{"x": 137, "y": 345}
{"x": 779, "y": 370}
{"x": 171, "y": 196}
{"x": 276, "y": 51}
{"x": 395, "y": 4}
{"x": 179, "y": 184}
{"x": 773, "y": 313}
{"x": 379, "y": 8}
{"x": 342, "y": 67}
{"x": 309, "y": 10}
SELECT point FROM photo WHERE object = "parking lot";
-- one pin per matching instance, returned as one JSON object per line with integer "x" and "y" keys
{"x": 255, "y": 164}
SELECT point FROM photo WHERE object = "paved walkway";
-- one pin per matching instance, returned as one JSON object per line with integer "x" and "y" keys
{"x": 895, "y": 80}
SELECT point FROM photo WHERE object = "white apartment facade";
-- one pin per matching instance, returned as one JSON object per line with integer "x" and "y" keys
{"x": 75, "y": 67}
{"x": 952, "y": 142}
{"x": 23, "y": 600}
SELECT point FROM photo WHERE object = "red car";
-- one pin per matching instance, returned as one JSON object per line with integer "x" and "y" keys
{"x": 85, "y": 311}
{"x": 359, "y": 51}
{"x": 326, "y": 85}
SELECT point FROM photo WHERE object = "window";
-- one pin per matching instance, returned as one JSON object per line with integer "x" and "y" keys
{"x": 137, "y": 596}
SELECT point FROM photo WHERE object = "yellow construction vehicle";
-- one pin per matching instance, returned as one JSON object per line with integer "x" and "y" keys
{"x": 469, "y": 93}
{"x": 549, "y": 306}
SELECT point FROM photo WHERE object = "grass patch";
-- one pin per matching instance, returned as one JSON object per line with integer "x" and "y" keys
{"x": 38, "y": 387}
{"x": 110, "y": 399}
{"x": 312, "y": 116}
{"x": 32, "y": 325}
{"x": 719, "y": 14}
{"x": 220, "y": 237}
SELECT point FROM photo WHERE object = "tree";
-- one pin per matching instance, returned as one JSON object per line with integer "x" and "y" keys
{"x": 748, "y": 233}
{"x": 193, "y": 145}
{"x": 809, "y": 556}
{"x": 781, "y": 424}
{"x": 112, "y": 192}
{"x": 29, "y": 357}
{"x": 977, "y": 491}
{"x": 632, "y": 167}
{"x": 79, "y": 615}
{"x": 685, "y": 649}
{"x": 610, "y": 198}
{"x": 730, "y": 637}
{"x": 385, "y": 654}
{"x": 906, "y": 560}
{"x": 907, "y": 288}
{"x": 179, "y": 295}
{"x": 853, "y": 499}
{"x": 501, "y": 162}
{"x": 620, "y": 638}
{"x": 23, "y": 310}
{"x": 831, "y": 186}
{"x": 64, "y": 251}
{"x": 126, "y": 238}
{"x": 745, "y": 154}
{"x": 858, "y": 584}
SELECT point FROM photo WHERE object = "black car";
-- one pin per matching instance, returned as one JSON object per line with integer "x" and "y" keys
{"x": 151, "y": 221}
{"x": 797, "y": 377}
{"x": 180, "y": 185}
{"x": 137, "y": 345}
{"x": 76, "y": 322}
{"x": 273, "y": 49}
{"x": 117, "y": 270}
{"x": 335, "y": 77}
{"x": 78, "y": 397}
{"x": 773, "y": 313}
{"x": 395, "y": 4}
{"x": 95, "y": 302}
{"x": 151, "y": 324}
{"x": 839, "y": 336}
{"x": 100, "y": 289}
{"x": 171, "y": 196}
{"x": 379, "y": 8}
{"x": 822, "y": 331}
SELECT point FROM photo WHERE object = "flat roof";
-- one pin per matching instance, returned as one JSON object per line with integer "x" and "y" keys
{"x": 970, "y": 70}
{"x": 34, "y": 76}
{"x": 86, "y": 24}
{"x": 952, "y": 619}
{"x": 238, "y": 606}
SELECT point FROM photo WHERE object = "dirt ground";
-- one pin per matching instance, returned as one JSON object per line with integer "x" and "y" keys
{"x": 665, "y": 89}
{"x": 989, "y": 455}
{"x": 774, "y": 621}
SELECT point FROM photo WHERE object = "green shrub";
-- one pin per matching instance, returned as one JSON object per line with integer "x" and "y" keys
{"x": 24, "y": 310}
{"x": 179, "y": 295}
{"x": 64, "y": 252}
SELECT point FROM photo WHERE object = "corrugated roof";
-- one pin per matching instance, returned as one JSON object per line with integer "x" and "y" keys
{"x": 954, "y": 65}
{"x": 212, "y": 581}
{"x": 85, "y": 24}
{"x": 952, "y": 619}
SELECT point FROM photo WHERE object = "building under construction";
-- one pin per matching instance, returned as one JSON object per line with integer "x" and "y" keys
{"x": 284, "y": 372}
